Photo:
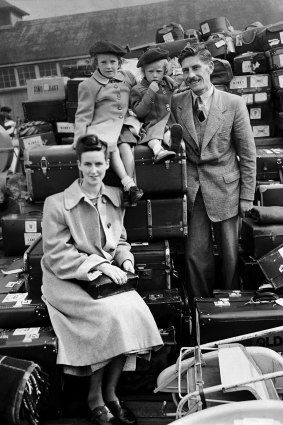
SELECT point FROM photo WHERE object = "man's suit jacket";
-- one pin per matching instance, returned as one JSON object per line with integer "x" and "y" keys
{"x": 224, "y": 168}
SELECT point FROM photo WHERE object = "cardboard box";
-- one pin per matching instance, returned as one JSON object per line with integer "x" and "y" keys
{"x": 49, "y": 88}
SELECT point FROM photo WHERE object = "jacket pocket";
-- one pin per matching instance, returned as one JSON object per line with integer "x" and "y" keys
{"x": 231, "y": 177}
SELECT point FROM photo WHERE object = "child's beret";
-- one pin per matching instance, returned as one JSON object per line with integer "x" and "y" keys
{"x": 152, "y": 55}
{"x": 105, "y": 46}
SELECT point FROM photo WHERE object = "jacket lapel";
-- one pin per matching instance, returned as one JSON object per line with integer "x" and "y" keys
{"x": 215, "y": 117}
{"x": 186, "y": 116}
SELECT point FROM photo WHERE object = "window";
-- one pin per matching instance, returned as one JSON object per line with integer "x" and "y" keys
{"x": 26, "y": 72}
{"x": 47, "y": 69}
{"x": 7, "y": 78}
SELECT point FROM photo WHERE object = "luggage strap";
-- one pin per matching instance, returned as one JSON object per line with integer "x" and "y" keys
{"x": 149, "y": 218}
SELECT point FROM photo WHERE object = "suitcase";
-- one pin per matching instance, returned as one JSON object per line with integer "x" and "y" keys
{"x": 269, "y": 142}
{"x": 155, "y": 219}
{"x": 263, "y": 129}
{"x": 271, "y": 265}
{"x": 218, "y": 320}
{"x": 49, "y": 170}
{"x": 250, "y": 63}
{"x": 166, "y": 307}
{"x": 250, "y": 273}
{"x": 269, "y": 195}
{"x": 32, "y": 267}
{"x": 269, "y": 163}
{"x": 258, "y": 239}
{"x": 71, "y": 108}
{"x": 40, "y": 346}
{"x": 248, "y": 40}
{"x": 22, "y": 228}
{"x": 169, "y": 32}
{"x": 253, "y": 88}
{"x": 222, "y": 72}
{"x": 233, "y": 294}
{"x": 173, "y": 47}
{"x": 271, "y": 36}
{"x": 153, "y": 264}
{"x": 18, "y": 310}
{"x": 65, "y": 133}
{"x": 213, "y": 26}
{"x": 260, "y": 112}
{"x": 38, "y": 140}
{"x": 220, "y": 46}
{"x": 49, "y": 110}
{"x": 152, "y": 177}
{"x": 275, "y": 58}
{"x": 277, "y": 79}
{"x": 72, "y": 89}
{"x": 12, "y": 283}
{"x": 278, "y": 100}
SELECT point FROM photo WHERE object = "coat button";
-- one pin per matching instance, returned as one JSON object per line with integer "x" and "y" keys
{"x": 115, "y": 86}
{"x": 121, "y": 116}
{"x": 108, "y": 225}
{"x": 119, "y": 107}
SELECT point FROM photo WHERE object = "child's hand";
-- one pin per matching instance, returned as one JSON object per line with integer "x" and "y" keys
{"x": 154, "y": 86}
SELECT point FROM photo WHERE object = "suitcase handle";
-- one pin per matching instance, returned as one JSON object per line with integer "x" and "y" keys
{"x": 43, "y": 165}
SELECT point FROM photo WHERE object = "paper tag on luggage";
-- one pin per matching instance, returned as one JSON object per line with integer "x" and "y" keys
{"x": 259, "y": 81}
{"x": 168, "y": 37}
{"x": 247, "y": 67}
{"x": 255, "y": 113}
{"x": 32, "y": 142}
{"x": 65, "y": 127}
{"x": 24, "y": 331}
{"x": 205, "y": 28}
{"x": 30, "y": 238}
{"x": 239, "y": 82}
{"x": 14, "y": 298}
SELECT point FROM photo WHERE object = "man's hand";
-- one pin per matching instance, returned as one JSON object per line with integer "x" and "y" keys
{"x": 154, "y": 86}
{"x": 245, "y": 206}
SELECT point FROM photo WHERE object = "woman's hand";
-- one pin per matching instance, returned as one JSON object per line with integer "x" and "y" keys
{"x": 128, "y": 266}
{"x": 115, "y": 273}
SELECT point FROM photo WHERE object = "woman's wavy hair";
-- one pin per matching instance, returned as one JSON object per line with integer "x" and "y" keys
{"x": 90, "y": 143}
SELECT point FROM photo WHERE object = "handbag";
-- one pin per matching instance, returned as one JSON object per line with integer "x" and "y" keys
{"x": 103, "y": 286}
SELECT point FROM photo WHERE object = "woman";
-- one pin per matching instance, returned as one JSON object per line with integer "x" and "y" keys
{"x": 83, "y": 233}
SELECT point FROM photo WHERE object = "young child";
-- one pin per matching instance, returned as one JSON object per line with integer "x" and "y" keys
{"x": 103, "y": 101}
{"x": 150, "y": 100}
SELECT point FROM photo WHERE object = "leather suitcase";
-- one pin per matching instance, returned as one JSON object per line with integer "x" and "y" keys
{"x": 19, "y": 231}
{"x": 220, "y": 46}
{"x": 277, "y": 79}
{"x": 275, "y": 58}
{"x": 153, "y": 264}
{"x": 247, "y": 40}
{"x": 269, "y": 142}
{"x": 271, "y": 265}
{"x": 72, "y": 89}
{"x": 253, "y": 88}
{"x": 38, "y": 344}
{"x": 269, "y": 162}
{"x": 173, "y": 47}
{"x": 51, "y": 111}
{"x": 214, "y": 26}
{"x": 18, "y": 310}
{"x": 32, "y": 268}
{"x": 169, "y": 32}
{"x": 278, "y": 100}
{"x": 71, "y": 108}
{"x": 219, "y": 320}
{"x": 12, "y": 283}
{"x": 49, "y": 170}
{"x": 250, "y": 273}
{"x": 160, "y": 180}
{"x": 260, "y": 112}
{"x": 233, "y": 294}
{"x": 269, "y": 195}
{"x": 250, "y": 63}
{"x": 271, "y": 36}
{"x": 38, "y": 140}
{"x": 258, "y": 239}
{"x": 222, "y": 72}
{"x": 155, "y": 219}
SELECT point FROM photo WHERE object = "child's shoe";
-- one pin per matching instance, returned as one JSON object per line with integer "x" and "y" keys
{"x": 163, "y": 155}
{"x": 131, "y": 196}
{"x": 176, "y": 137}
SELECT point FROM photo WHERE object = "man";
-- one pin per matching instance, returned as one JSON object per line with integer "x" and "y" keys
{"x": 221, "y": 163}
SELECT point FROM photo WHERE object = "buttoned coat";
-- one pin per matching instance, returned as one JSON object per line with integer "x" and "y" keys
{"x": 224, "y": 166}
{"x": 153, "y": 108}
{"x": 103, "y": 106}
{"x": 90, "y": 331}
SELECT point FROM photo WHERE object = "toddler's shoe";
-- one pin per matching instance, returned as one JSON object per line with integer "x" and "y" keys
{"x": 163, "y": 155}
{"x": 176, "y": 137}
{"x": 131, "y": 196}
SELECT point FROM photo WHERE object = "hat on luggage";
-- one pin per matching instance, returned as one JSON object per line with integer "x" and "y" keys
{"x": 105, "y": 46}
{"x": 152, "y": 55}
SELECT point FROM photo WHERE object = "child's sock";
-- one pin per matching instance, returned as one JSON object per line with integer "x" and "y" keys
{"x": 127, "y": 182}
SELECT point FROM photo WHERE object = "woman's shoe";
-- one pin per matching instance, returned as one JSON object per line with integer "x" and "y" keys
{"x": 163, "y": 155}
{"x": 176, "y": 137}
{"x": 122, "y": 412}
{"x": 101, "y": 415}
{"x": 131, "y": 196}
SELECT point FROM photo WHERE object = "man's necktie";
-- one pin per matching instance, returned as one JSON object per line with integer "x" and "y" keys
{"x": 200, "y": 109}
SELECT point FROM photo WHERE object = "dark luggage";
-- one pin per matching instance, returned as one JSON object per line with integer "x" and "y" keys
{"x": 233, "y": 294}
{"x": 277, "y": 79}
{"x": 253, "y": 88}
{"x": 32, "y": 268}
{"x": 250, "y": 273}
{"x": 49, "y": 110}
{"x": 250, "y": 63}
{"x": 192, "y": 35}
{"x": 269, "y": 142}
{"x": 220, "y": 46}
{"x": 222, "y": 72}
{"x": 38, "y": 140}
{"x": 269, "y": 195}
{"x": 12, "y": 283}
{"x": 258, "y": 239}
{"x": 153, "y": 264}
{"x": 160, "y": 180}
{"x": 72, "y": 89}
{"x": 169, "y": 32}
{"x": 157, "y": 219}
{"x": 49, "y": 170}
{"x": 278, "y": 100}
{"x": 260, "y": 112}
{"x": 19, "y": 231}
{"x": 275, "y": 58}
{"x": 71, "y": 108}
{"x": 213, "y": 26}
{"x": 219, "y": 320}
{"x": 18, "y": 310}
{"x": 77, "y": 71}
{"x": 166, "y": 307}
{"x": 271, "y": 265}
{"x": 173, "y": 47}
{"x": 65, "y": 133}
{"x": 271, "y": 36}
{"x": 269, "y": 162}
{"x": 40, "y": 346}
{"x": 248, "y": 40}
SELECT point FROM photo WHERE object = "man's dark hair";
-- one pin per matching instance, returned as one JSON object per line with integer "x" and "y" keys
{"x": 89, "y": 143}
{"x": 195, "y": 50}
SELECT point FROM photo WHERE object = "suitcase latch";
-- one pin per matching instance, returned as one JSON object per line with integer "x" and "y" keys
{"x": 43, "y": 165}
